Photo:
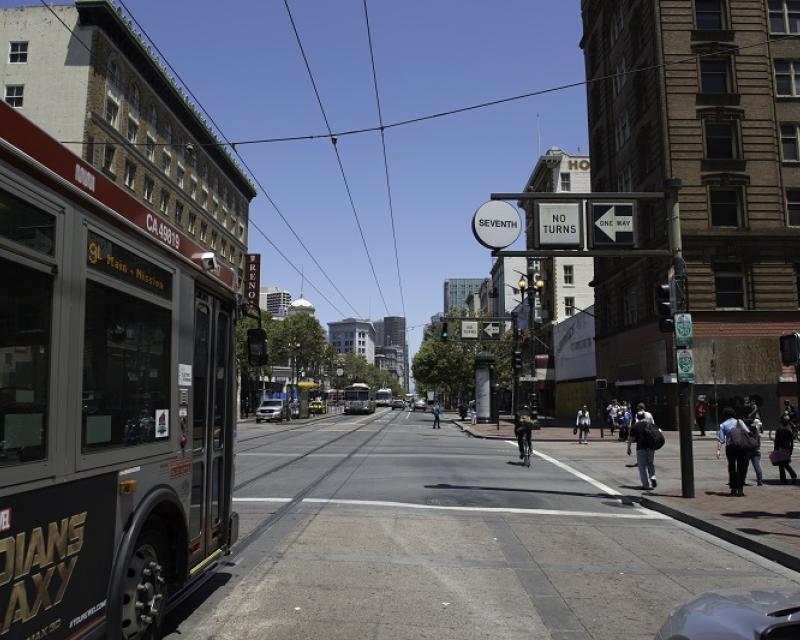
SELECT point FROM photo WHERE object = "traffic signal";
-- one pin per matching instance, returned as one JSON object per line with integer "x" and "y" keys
{"x": 790, "y": 349}
{"x": 444, "y": 331}
{"x": 663, "y": 297}
{"x": 517, "y": 360}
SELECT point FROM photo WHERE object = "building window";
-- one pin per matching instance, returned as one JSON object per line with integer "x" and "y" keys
{"x": 214, "y": 207}
{"x": 784, "y": 16}
{"x": 164, "y": 202}
{"x": 790, "y": 142}
{"x": 241, "y": 231}
{"x": 193, "y": 189}
{"x": 166, "y": 162}
{"x": 112, "y": 112}
{"x": 620, "y": 76}
{"x": 720, "y": 140}
{"x": 130, "y": 175}
{"x": 149, "y": 185}
{"x": 214, "y": 240}
{"x": 622, "y": 131}
{"x": 715, "y": 76}
{"x": 133, "y": 130}
{"x": 793, "y": 207}
{"x": 204, "y": 198}
{"x": 179, "y": 173}
{"x": 222, "y": 248}
{"x": 150, "y": 149}
{"x": 108, "y": 158}
{"x": 787, "y": 77}
{"x": 708, "y": 14}
{"x": 625, "y": 179}
{"x": 18, "y": 52}
{"x": 113, "y": 76}
{"x": 725, "y": 207}
{"x": 569, "y": 274}
{"x": 14, "y": 94}
{"x": 729, "y": 286}
{"x": 168, "y": 134}
{"x": 565, "y": 182}
{"x": 134, "y": 99}
{"x": 203, "y": 231}
{"x": 192, "y": 221}
{"x": 152, "y": 117}
{"x": 178, "y": 213}
{"x": 569, "y": 306}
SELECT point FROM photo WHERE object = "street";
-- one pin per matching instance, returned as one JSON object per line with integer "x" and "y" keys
{"x": 378, "y": 526}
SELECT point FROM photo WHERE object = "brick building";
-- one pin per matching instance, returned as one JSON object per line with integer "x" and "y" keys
{"x": 94, "y": 85}
{"x": 720, "y": 115}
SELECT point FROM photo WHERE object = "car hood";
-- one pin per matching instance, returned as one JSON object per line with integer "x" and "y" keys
{"x": 732, "y": 615}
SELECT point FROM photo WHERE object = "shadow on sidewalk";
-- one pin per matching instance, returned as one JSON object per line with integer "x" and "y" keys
{"x": 790, "y": 515}
{"x": 759, "y": 532}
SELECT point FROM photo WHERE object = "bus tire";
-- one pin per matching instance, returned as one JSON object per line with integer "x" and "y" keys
{"x": 145, "y": 588}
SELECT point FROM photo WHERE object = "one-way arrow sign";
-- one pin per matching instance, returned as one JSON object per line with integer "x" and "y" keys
{"x": 612, "y": 224}
{"x": 491, "y": 329}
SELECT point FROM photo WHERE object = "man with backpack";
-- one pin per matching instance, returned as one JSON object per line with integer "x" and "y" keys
{"x": 437, "y": 410}
{"x": 648, "y": 438}
{"x": 738, "y": 446}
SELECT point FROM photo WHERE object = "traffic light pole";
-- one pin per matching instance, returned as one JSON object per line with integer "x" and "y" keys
{"x": 671, "y": 187}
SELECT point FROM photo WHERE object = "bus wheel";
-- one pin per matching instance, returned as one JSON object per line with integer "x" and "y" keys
{"x": 144, "y": 596}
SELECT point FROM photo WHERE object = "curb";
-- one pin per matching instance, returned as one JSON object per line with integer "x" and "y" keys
{"x": 774, "y": 551}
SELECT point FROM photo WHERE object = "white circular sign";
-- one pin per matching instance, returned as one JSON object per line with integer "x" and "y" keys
{"x": 496, "y": 224}
{"x": 340, "y": 372}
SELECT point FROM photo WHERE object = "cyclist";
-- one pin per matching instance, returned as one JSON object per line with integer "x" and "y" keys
{"x": 523, "y": 432}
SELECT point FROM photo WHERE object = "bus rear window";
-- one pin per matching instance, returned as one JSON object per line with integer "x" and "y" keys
{"x": 25, "y": 318}
{"x": 126, "y": 370}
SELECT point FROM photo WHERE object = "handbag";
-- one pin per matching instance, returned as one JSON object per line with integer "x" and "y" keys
{"x": 778, "y": 456}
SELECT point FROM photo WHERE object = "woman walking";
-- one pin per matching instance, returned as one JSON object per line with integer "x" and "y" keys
{"x": 755, "y": 455}
{"x": 781, "y": 457}
{"x": 644, "y": 451}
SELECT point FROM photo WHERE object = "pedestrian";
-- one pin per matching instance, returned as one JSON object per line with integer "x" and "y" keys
{"x": 701, "y": 414}
{"x": 755, "y": 455}
{"x": 611, "y": 415}
{"x": 582, "y": 423}
{"x": 781, "y": 456}
{"x": 625, "y": 420}
{"x": 737, "y": 455}
{"x": 437, "y": 410}
{"x": 754, "y": 413}
{"x": 645, "y": 453}
{"x": 473, "y": 412}
{"x": 640, "y": 408}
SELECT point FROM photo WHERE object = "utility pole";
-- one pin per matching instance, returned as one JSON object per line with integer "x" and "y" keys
{"x": 671, "y": 188}
{"x": 533, "y": 283}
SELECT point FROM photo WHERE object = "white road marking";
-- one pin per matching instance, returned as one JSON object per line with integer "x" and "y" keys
{"x": 595, "y": 483}
{"x": 640, "y": 514}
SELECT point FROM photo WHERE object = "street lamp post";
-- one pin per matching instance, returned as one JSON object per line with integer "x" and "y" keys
{"x": 533, "y": 284}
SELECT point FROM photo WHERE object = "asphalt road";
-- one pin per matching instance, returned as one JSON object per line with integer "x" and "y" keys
{"x": 381, "y": 527}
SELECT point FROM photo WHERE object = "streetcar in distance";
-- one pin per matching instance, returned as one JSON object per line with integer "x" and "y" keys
{"x": 383, "y": 398}
{"x": 116, "y": 401}
{"x": 359, "y": 398}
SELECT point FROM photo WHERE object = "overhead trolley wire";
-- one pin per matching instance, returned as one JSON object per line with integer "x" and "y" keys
{"x": 333, "y": 140}
{"x": 385, "y": 159}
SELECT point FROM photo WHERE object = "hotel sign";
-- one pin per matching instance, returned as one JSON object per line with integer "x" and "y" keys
{"x": 252, "y": 278}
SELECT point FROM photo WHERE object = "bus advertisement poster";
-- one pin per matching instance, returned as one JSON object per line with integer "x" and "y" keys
{"x": 56, "y": 551}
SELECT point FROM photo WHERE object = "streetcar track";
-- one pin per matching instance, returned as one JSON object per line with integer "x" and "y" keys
{"x": 275, "y": 517}
{"x": 299, "y": 426}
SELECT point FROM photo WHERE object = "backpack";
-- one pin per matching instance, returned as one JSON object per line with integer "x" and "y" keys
{"x": 741, "y": 440}
{"x": 653, "y": 437}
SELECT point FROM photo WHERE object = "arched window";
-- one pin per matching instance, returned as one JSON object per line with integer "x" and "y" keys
{"x": 168, "y": 133}
{"x": 152, "y": 116}
{"x": 134, "y": 97}
{"x": 112, "y": 75}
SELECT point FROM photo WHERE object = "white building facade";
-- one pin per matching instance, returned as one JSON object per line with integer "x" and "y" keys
{"x": 275, "y": 301}
{"x": 353, "y": 335}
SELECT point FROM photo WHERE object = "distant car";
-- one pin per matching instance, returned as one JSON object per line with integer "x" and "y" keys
{"x": 272, "y": 409}
{"x": 398, "y": 403}
{"x": 735, "y": 615}
{"x": 419, "y": 405}
{"x": 316, "y": 407}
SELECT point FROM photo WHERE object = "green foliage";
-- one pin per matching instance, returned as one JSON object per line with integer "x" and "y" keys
{"x": 356, "y": 369}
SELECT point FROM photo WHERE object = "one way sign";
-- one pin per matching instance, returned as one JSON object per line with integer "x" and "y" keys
{"x": 612, "y": 224}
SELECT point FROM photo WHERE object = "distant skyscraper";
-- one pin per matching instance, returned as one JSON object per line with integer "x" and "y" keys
{"x": 275, "y": 301}
{"x": 456, "y": 291}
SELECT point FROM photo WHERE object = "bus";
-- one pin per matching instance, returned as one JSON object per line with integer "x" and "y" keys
{"x": 359, "y": 398}
{"x": 383, "y": 398}
{"x": 116, "y": 400}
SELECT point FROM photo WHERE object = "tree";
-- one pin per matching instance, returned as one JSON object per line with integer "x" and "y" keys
{"x": 301, "y": 339}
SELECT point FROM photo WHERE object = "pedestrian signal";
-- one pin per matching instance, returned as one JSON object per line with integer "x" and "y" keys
{"x": 517, "y": 360}
{"x": 444, "y": 331}
{"x": 664, "y": 308}
{"x": 790, "y": 349}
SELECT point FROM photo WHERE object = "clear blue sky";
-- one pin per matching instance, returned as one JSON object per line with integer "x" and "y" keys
{"x": 242, "y": 61}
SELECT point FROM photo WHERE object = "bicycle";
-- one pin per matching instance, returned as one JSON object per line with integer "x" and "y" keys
{"x": 526, "y": 452}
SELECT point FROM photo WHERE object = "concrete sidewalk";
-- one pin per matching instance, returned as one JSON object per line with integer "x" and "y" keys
{"x": 766, "y": 520}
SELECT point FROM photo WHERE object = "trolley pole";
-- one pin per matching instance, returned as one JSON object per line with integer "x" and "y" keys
{"x": 671, "y": 187}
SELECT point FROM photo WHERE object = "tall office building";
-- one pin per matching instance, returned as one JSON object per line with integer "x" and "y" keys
{"x": 353, "y": 335}
{"x": 456, "y": 291}
{"x": 716, "y": 106}
{"x": 275, "y": 301}
{"x": 88, "y": 80}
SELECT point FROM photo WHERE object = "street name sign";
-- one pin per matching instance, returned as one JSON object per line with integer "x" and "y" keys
{"x": 469, "y": 329}
{"x": 685, "y": 359}
{"x": 559, "y": 225}
{"x": 527, "y": 379}
{"x": 491, "y": 330}
{"x": 612, "y": 224}
{"x": 683, "y": 329}
{"x": 496, "y": 224}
